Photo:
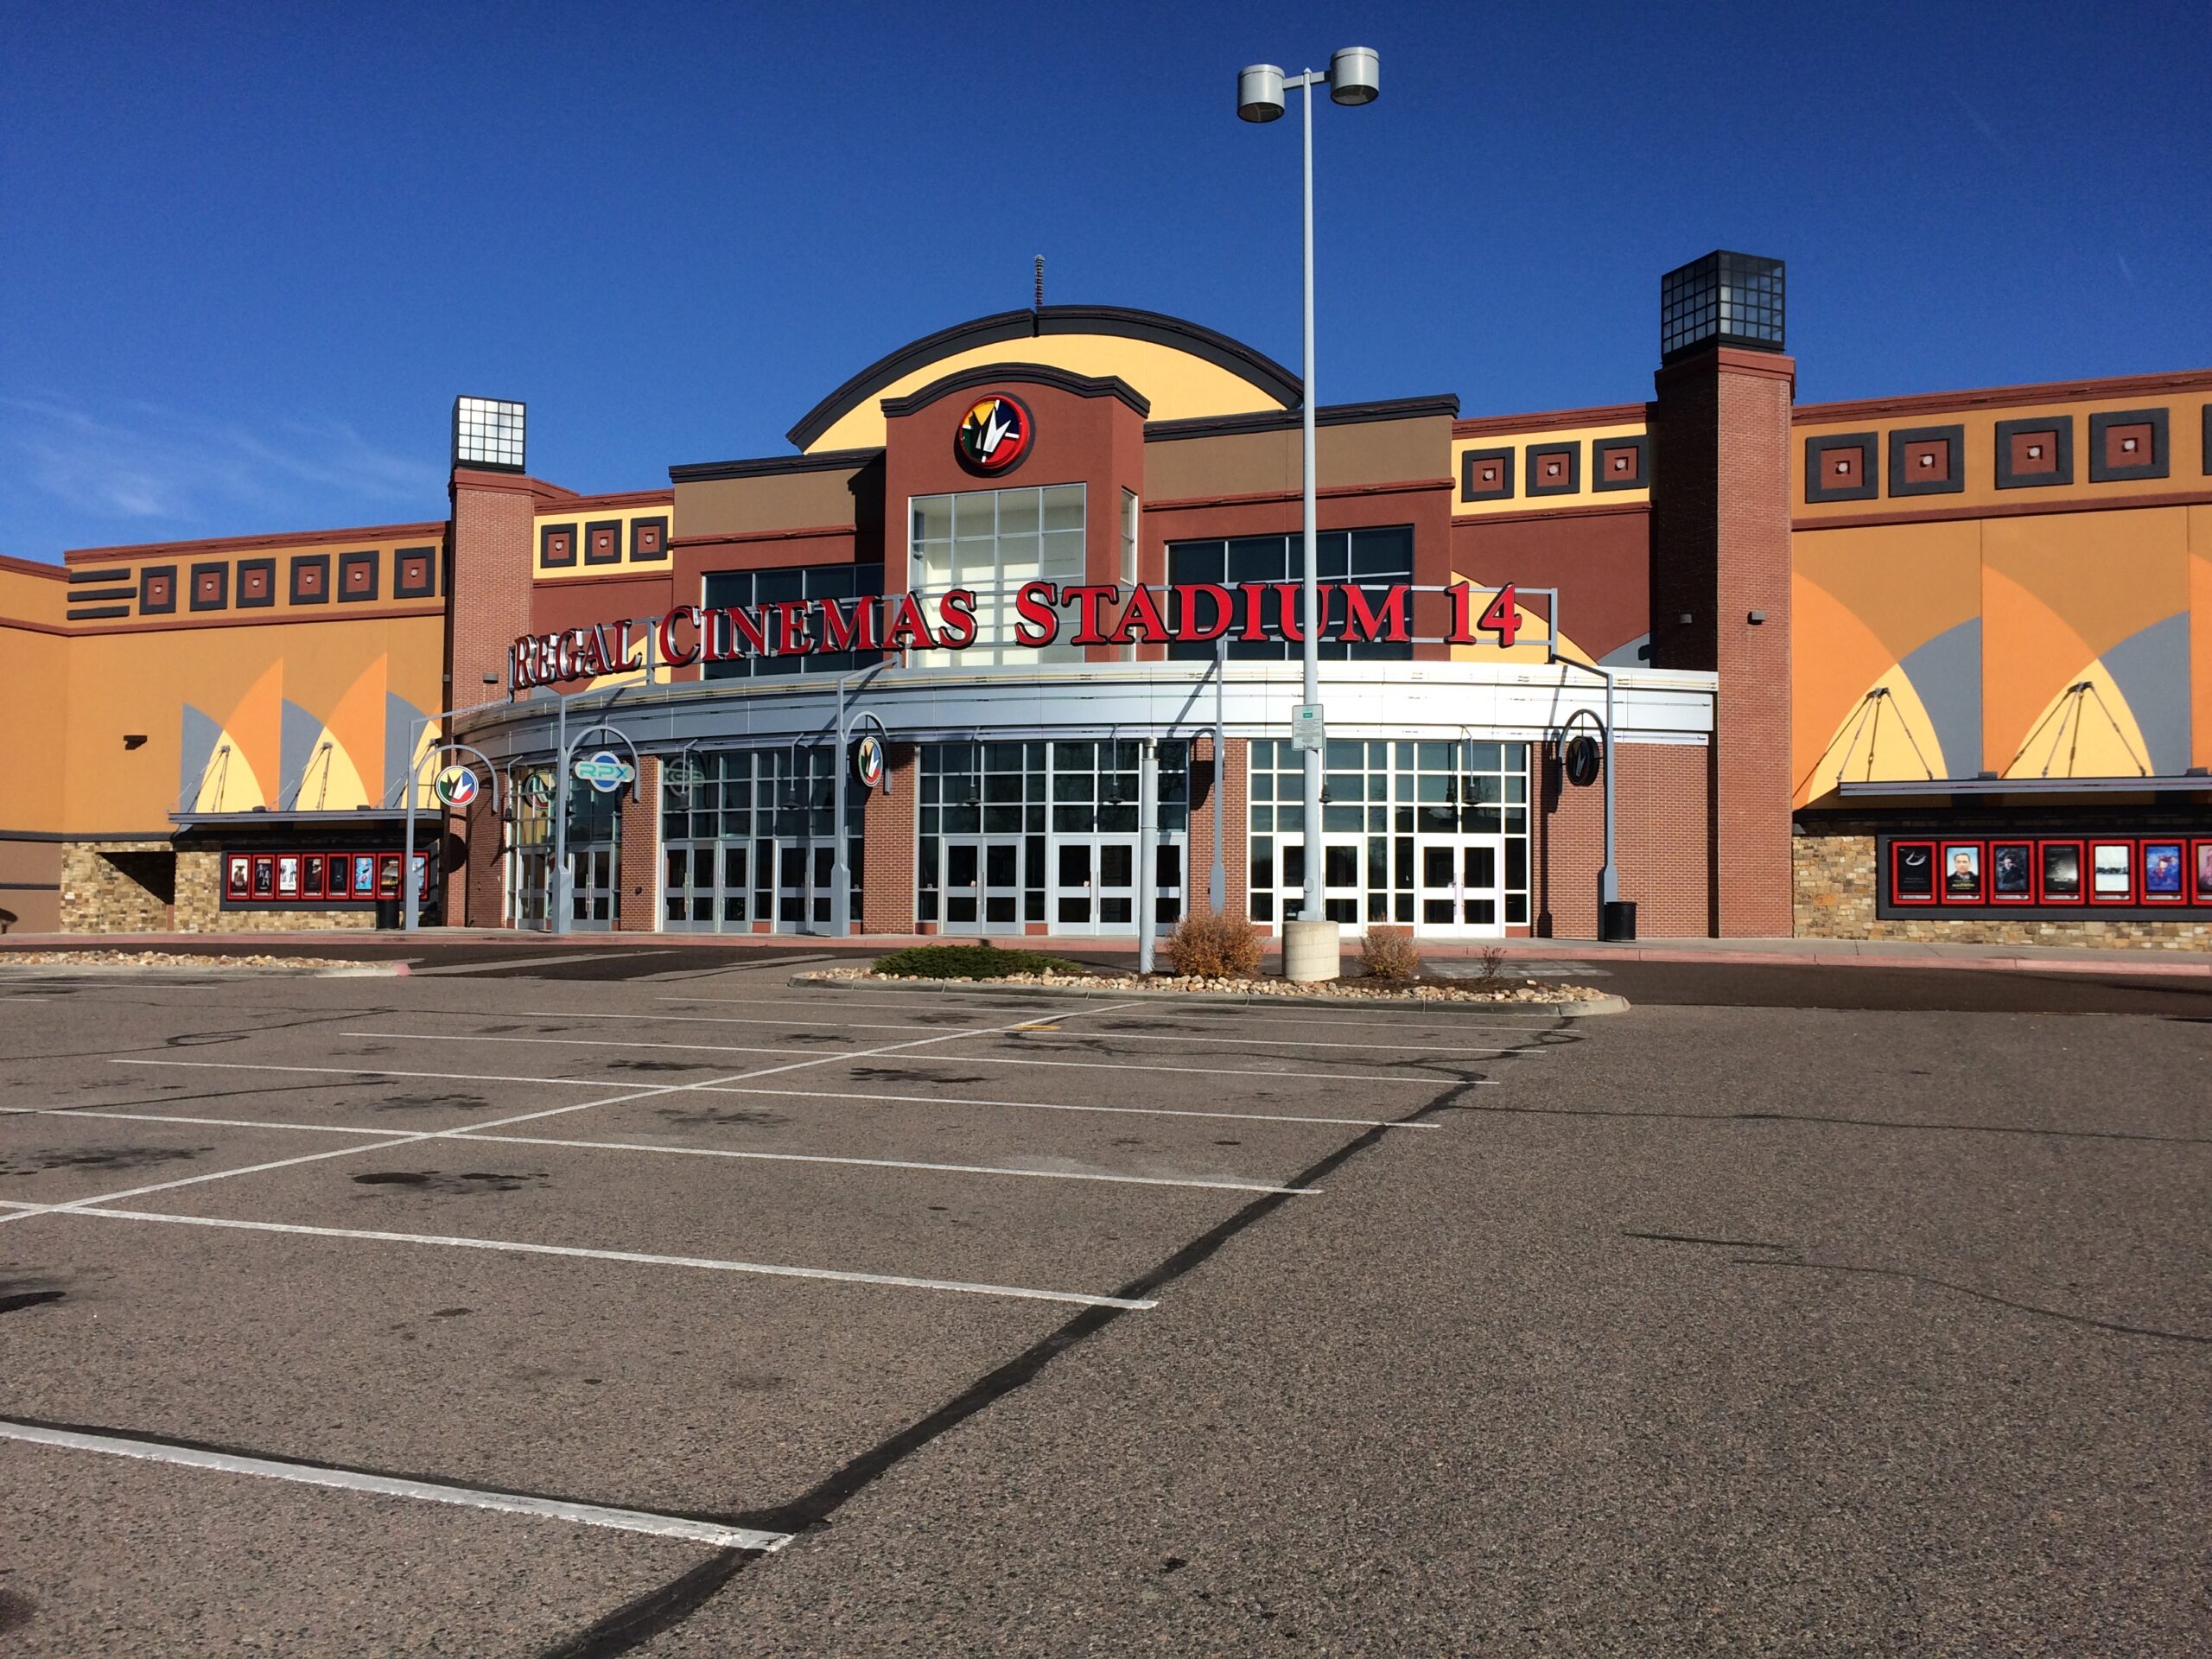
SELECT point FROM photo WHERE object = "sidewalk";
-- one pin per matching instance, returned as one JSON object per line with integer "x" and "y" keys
{"x": 1823, "y": 953}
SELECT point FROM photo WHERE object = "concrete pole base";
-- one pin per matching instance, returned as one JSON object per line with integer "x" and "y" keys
{"x": 1312, "y": 951}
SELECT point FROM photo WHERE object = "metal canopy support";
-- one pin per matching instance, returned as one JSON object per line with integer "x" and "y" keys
{"x": 564, "y": 882}
{"x": 1217, "y": 879}
{"x": 411, "y": 906}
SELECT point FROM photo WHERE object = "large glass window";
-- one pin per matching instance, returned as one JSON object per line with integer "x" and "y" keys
{"x": 992, "y": 541}
{"x": 837, "y": 581}
{"x": 1433, "y": 832}
{"x": 1383, "y": 557}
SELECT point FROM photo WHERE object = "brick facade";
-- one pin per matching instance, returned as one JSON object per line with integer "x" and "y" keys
{"x": 1235, "y": 789}
{"x": 888, "y": 827}
{"x": 1661, "y": 807}
{"x": 1834, "y": 894}
{"x": 1720, "y": 553}
{"x": 638, "y": 856}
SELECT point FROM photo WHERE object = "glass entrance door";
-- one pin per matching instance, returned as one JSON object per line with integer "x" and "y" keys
{"x": 794, "y": 891}
{"x": 1094, "y": 885}
{"x": 595, "y": 900}
{"x": 982, "y": 886}
{"x": 709, "y": 887}
{"x": 1461, "y": 887}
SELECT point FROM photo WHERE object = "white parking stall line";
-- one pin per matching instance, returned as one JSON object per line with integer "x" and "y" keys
{"x": 1058, "y": 1106}
{"x": 431, "y": 1491}
{"x": 1227, "y": 1012}
{"x": 923, "y": 1060}
{"x": 1117, "y": 1036}
{"x": 820, "y": 1094}
{"x": 526, "y": 961}
{"x": 523, "y": 1247}
{"x": 897, "y": 1163}
{"x": 405, "y": 1139}
{"x": 463, "y": 1133}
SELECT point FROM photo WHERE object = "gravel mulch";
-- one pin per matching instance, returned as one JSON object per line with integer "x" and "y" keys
{"x": 1359, "y": 990}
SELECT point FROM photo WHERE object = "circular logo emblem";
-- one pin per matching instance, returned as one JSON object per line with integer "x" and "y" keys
{"x": 604, "y": 771}
{"x": 456, "y": 787}
{"x": 994, "y": 436}
{"x": 868, "y": 761}
{"x": 1584, "y": 760}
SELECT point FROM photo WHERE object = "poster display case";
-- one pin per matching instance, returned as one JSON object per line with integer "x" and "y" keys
{"x": 2054, "y": 875}
{"x": 323, "y": 879}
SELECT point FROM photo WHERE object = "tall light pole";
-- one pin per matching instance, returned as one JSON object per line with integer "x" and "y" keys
{"x": 1309, "y": 944}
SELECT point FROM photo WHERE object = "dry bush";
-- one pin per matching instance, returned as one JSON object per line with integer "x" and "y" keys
{"x": 1389, "y": 953}
{"x": 1211, "y": 944}
{"x": 1492, "y": 959}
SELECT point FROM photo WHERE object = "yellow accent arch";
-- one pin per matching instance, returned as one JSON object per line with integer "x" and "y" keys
{"x": 1180, "y": 385}
{"x": 1886, "y": 735}
{"x": 2098, "y": 737}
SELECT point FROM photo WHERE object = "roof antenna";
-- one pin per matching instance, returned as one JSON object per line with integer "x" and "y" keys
{"x": 1041, "y": 282}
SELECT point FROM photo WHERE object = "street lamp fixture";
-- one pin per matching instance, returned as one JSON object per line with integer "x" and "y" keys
{"x": 1310, "y": 944}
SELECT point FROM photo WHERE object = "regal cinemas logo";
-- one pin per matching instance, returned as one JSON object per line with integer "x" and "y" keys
{"x": 995, "y": 436}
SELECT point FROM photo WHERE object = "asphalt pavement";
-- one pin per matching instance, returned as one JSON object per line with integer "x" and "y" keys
{"x": 675, "y": 1309}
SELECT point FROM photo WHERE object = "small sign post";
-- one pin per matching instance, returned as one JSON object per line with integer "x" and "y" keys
{"x": 1306, "y": 729}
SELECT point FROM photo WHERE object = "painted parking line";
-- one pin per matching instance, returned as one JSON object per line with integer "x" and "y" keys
{"x": 430, "y": 1491}
{"x": 360, "y": 1072}
{"x": 1279, "y": 1075}
{"x": 642, "y": 1258}
{"x": 1118, "y": 1036}
{"x": 528, "y": 962}
{"x": 1233, "y": 1014}
{"x": 466, "y": 1134}
{"x": 401, "y": 1140}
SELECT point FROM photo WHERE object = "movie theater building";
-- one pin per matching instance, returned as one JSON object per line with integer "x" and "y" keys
{"x": 1024, "y": 594}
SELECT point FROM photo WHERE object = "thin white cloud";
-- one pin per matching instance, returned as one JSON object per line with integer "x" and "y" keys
{"x": 141, "y": 461}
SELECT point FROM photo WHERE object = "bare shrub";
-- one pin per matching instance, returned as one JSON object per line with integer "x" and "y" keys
{"x": 1212, "y": 945}
{"x": 1389, "y": 953}
{"x": 1493, "y": 960}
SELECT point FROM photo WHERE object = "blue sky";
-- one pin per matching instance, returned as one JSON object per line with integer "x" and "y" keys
{"x": 249, "y": 254}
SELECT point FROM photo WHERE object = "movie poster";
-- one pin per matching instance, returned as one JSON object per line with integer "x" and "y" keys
{"x": 2010, "y": 872}
{"x": 2162, "y": 869}
{"x": 364, "y": 874}
{"x": 265, "y": 878}
{"x": 240, "y": 881}
{"x": 288, "y": 876}
{"x": 1915, "y": 871}
{"x": 311, "y": 876}
{"x": 1962, "y": 876}
{"x": 388, "y": 876}
{"x": 2204, "y": 872}
{"x": 2110, "y": 876}
{"x": 2062, "y": 871}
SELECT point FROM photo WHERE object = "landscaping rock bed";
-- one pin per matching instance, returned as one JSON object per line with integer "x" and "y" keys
{"x": 1361, "y": 990}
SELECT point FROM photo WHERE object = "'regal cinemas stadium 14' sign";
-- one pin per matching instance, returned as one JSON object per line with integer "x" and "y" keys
{"x": 1042, "y": 613}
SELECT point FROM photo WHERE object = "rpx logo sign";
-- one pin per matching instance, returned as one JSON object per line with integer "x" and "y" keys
{"x": 995, "y": 436}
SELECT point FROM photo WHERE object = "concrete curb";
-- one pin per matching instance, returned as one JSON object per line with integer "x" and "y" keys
{"x": 1606, "y": 1004}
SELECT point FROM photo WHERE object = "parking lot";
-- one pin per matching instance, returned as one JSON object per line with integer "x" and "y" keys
{"x": 521, "y": 1312}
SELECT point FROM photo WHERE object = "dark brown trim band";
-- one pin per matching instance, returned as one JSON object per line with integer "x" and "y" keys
{"x": 2007, "y": 510}
{"x": 1551, "y": 420}
{"x": 432, "y": 528}
{"x": 121, "y": 573}
{"x": 1522, "y": 515}
{"x": 1217, "y": 426}
{"x": 829, "y": 460}
{"x": 2052, "y": 392}
{"x": 1340, "y": 492}
{"x": 1029, "y": 374}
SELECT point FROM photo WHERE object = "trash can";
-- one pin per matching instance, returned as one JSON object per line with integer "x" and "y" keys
{"x": 1617, "y": 920}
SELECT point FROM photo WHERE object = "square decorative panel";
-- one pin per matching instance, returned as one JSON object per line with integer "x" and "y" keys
{"x": 157, "y": 590}
{"x": 257, "y": 582}
{"x": 415, "y": 572}
{"x": 1554, "y": 469}
{"x": 648, "y": 540}
{"x": 311, "y": 579}
{"x": 357, "y": 577}
{"x": 1486, "y": 475}
{"x": 487, "y": 432}
{"x": 1620, "y": 463}
{"x": 211, "y": 587}
{"x": 557, "y": 546}
{"x": 603, "y": 542}
{"x": 1928, "y": 460}
{"x": 2035, "y": 451}
{"x": 1841, "y": 466}
{"x": 2127, "y": 444}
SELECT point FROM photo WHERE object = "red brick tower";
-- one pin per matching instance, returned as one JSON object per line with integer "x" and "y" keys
{"x": 1720, "y": 561}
